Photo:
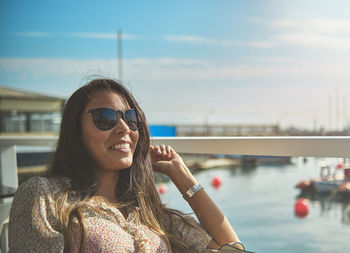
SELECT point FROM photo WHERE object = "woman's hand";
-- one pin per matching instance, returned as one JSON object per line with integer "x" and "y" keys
{"x": 164, "y": 159}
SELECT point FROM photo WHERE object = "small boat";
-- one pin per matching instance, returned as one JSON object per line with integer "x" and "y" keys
{"x": 331, "y": 180}
{"x": 329, "y": 185}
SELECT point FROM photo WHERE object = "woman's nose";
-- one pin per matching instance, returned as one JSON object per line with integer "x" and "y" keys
{"x": 121, "y": 126}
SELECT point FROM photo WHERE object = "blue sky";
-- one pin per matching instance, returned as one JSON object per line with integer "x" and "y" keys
{"x": 218, "y": 61}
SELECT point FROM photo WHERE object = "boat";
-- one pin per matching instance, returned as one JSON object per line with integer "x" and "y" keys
{"x": 332, "y": 180}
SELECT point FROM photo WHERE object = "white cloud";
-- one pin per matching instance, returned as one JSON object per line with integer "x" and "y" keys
{"x": 327, "y": 34}
{"x": 181, "y": 69}
{"x": 86, "y": 35}
{"x": 171, "y": 38}
{"x": 285, "y": 23}
{"x": 330, "y": 34}
{"x": 311, "y": 24}
{"x": 188, "y": 38}
{"x": 216, "y": 42}
{"x": 110, "y": 36}
{"x": 33, "y": 34}
{"x": 335, "y": 43}
{"x": 333, "y": 26}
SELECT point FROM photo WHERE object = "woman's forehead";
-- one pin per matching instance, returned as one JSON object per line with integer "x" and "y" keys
{"x": 108, "y": 99}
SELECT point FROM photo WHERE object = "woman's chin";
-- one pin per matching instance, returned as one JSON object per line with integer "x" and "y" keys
{"x": 117, "y": 164}
{"x": 122, "y": 165}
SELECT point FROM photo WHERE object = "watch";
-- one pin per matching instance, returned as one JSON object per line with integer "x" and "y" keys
{"x": 192, "y": 191}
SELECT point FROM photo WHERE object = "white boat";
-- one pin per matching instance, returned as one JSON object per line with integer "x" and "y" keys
{"x": 328, "y": 185}
{"x": 331, "y": 180}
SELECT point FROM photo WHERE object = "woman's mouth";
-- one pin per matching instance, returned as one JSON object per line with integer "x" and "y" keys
{"x": 121, "y": 146}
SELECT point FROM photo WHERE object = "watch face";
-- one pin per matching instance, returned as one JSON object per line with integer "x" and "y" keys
{"x": 193, "y": 190}
{"x": 190, "y": 192}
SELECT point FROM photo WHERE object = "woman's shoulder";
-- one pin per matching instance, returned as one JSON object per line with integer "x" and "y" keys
{"x": 34, "y": 218}
{"x": 43, "y": 185}
{"x": 37, "y": 193}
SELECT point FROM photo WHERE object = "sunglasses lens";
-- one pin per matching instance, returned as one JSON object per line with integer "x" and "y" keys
{"x": 104, "y": 118}
{"x": 131, "y": 119}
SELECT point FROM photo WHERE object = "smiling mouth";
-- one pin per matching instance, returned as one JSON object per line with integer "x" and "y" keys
{"x": 121, "y": 146}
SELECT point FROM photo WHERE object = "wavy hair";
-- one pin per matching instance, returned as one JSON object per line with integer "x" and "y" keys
{"x": 135, "y": 189}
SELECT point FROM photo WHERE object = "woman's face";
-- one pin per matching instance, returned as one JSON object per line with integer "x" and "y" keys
{"x": 112, "y": 149}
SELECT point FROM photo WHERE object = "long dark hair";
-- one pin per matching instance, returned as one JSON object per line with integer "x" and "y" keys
{"x": 135, "y": 188}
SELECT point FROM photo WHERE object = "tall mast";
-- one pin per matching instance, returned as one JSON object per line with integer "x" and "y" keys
{"x": 337, "y": 114}
{"x": 330, "y": 119}
{"x": 120, "y": 55}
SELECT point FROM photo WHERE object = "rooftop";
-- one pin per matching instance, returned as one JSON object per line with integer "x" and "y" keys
{"x": 6, "y": 92}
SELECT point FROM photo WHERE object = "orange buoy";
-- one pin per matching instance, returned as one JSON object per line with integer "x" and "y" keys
{"x": 301, "y": 207}
{"x": 216, "y": 182}
{"x": 162, "y": 188}
{"x": 340, "y": 165}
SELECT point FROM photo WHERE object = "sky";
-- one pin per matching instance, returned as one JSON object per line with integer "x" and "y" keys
{"x": 200, "y": 62}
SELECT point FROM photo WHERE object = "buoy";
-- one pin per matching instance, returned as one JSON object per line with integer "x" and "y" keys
{"x": 301, "y": 207}
{"x": 340, "y": 165}
{"x": 216, "y": 182}
{"x": 162, "y": 188}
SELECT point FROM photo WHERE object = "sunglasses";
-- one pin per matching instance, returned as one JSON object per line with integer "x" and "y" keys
{"x": 105, "y": 118}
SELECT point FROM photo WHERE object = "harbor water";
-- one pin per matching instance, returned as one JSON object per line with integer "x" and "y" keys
{"x": 259, "y": 203}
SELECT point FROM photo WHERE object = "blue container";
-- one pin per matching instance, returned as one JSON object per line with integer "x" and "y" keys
{"x": 162, "y": 131}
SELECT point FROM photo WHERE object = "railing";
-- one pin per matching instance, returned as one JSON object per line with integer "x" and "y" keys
{"x": 320, "y": 146}
{"x": 315, "y": 146}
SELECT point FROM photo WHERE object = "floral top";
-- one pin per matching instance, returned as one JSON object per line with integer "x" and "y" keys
{"x": 34, "y": 225}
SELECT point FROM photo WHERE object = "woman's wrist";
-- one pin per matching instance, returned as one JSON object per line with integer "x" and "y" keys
{"x": 192, "y": 191}
{"x": 182, "y": 178}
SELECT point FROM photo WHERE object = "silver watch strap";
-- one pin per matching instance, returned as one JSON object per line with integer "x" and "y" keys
{"x": 192, "y": 191}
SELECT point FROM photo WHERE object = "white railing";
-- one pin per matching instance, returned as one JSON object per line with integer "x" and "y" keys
{"x": 315, "y": 146}
{"x": 318, "y": 146}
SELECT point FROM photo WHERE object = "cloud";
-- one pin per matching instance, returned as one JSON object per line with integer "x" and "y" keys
{"x": 330, "y": 34}
{"x": 216, "y": 42}
{"x": 85, "y": 35}
{"x": 33, "y": 34}
{"x": 181, "y": 68}
{"x": 111, "y": 36}
{"x": 315, "y": 40}
{"x": 190, "y": 39}
{"x": 332, "y": 26}
{"x": 284, "y": 23}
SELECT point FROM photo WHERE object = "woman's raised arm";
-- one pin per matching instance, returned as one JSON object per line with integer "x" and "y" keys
{"x": 165, "y": 160}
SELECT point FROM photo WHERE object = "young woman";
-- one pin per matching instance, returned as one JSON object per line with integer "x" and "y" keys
{"x": 100, "y": 194}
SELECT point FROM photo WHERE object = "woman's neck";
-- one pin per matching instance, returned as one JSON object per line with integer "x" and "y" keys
{"x": 106, "y": 185}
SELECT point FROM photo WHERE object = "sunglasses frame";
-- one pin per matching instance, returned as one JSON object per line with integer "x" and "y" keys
{"x": 117, "y": 113}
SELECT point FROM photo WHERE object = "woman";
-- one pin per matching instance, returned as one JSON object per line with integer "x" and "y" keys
{"x": 100, "y": 194}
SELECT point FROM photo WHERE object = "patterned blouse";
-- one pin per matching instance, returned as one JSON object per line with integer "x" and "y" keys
{"x": 34, "y": 225}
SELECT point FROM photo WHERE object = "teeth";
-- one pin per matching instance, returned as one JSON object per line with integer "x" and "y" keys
{"x": 121, "y": 146}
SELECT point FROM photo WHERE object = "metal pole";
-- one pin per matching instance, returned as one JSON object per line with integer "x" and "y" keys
{"x": 120, "y": 55}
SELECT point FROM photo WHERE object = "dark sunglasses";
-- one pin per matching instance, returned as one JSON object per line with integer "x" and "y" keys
{"x": 105, "y": 118}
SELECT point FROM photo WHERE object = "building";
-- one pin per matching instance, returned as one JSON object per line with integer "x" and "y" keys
{"x": 28, "y": 113}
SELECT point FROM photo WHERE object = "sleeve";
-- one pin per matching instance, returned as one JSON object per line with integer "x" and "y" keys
{"x": 33, "y": 225}
{"x": 195, "y": 237}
